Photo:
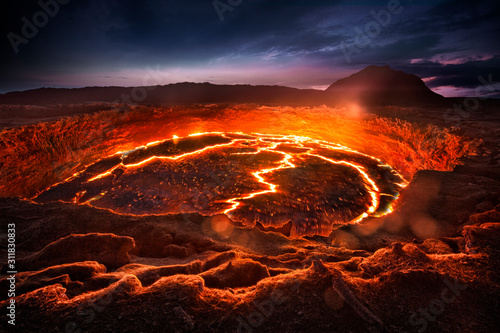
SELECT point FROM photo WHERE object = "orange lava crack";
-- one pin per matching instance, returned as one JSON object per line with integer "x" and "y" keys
{"x": 285, "y": 163}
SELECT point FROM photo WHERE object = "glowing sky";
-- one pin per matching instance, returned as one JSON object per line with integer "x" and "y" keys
{"x": 297, "y": 43}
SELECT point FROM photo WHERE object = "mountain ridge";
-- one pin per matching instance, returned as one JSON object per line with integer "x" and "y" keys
{"x": 374, "y": 85}
{"x": 383, "y": 85}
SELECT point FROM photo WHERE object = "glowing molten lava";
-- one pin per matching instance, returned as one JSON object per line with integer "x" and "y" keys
{"x": 252, "y": 178}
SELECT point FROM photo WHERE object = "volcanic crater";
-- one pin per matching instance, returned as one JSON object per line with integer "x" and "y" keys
{"x": 266, "y": 179}
{"x": 266, "y": 219}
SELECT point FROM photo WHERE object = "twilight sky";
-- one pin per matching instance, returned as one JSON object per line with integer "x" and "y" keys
{"x": 297, "y": 43}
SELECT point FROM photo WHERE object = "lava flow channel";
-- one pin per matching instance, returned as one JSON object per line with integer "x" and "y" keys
{"x": 269, "y": 179}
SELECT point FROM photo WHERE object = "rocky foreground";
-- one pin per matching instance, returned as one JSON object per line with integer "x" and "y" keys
{"x": 431, "y": 265}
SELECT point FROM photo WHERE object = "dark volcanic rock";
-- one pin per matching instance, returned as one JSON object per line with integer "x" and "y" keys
{"x": 107, "y": 249}
{"x": 285, "y": 229}
{"x": 482, "y": 238}
{"x": 488, "y": 216}
{"x": 435, "y": 205}
{"x": 176, "y": 251}
{"x": 69, "y": 275}
{"x": 152, "y": 243}
{"x": 268, "y": 271}
{"x": 237, "y": 273}
{"x": 436, "y": 246}
{"x": 394, "y": 257}
{"x": 438, "y": 204}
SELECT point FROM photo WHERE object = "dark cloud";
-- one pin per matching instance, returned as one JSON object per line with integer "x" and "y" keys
{"x": 103, "y": 41}
{"x": 463, "y": 75}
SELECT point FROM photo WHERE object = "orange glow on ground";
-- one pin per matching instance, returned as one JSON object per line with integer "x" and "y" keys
{"x": 272, "y": 161}
{"x": 66, "y": 147}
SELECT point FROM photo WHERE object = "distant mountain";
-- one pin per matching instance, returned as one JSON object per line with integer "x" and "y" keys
{"x": 178, "y": 93}
{"x": 381, "y": 85}
{"x": 374, "y": 85}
